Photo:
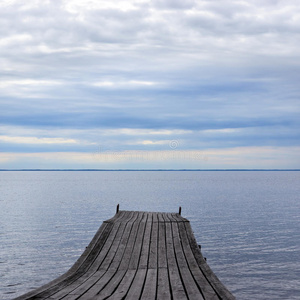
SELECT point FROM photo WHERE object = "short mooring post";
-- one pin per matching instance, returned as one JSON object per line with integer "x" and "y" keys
{"x": 180, "y": 210}
{"x": 117, "y": 208}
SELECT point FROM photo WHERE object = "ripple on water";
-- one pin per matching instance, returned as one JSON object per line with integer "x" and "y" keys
{"x": 246, "y": 222}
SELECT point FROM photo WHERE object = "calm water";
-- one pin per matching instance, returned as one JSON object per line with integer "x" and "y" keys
{"x": 248, "y": 223}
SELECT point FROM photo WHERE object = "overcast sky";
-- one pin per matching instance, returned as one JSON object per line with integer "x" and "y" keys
{"x": 149, "y": 84}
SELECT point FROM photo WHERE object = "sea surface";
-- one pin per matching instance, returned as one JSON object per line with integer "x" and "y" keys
{"x": 248, "y": 222}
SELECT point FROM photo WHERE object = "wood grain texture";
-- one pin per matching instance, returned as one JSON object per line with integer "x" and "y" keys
{"x": 138, "y": 255}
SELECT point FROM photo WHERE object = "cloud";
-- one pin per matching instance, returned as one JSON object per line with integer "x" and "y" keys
{"x": 119, "y": 73}
{"x": 124, "y": 84}
{"x": 149, "y": 142}
{"x": 35, "y": 140}
{"x": 27, "y": 82}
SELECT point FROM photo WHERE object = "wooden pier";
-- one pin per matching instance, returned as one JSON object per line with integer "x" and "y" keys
{"x": 138, "y": 255}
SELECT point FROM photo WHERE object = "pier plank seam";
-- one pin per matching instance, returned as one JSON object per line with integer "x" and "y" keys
{"x": 138, "y": 255}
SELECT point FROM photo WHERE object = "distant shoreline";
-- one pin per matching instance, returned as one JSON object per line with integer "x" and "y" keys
{"x": 148, "y": 170}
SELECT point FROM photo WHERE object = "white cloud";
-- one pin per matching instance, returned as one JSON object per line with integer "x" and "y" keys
{"x": 124, "y": 84}
{"x": 149, "y": 142}
{"x": 35, "y": 140}
{"x": 28, "y": 82}
{"x": 15, "y": 39}
{"x": 191, "y": 25}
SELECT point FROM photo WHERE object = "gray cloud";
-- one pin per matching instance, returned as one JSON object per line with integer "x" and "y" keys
{"x": 163, "y": 65}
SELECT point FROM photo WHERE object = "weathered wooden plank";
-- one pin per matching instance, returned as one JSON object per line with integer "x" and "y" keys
{"x": 79, "y": 286}
{"x": 82, "y": 288}
{"x": 130, "y": 244}
{"x": 69, "y": 297}
{"x": 152, "y": 264}
{"x": 118, "y": 216}
{"x": 170, "y": 217}
{"x": 188, "y": 281}
{"x": 111, "y": 286}
{"x": 150, "y": 287}
{"x": 122, "y": 245}
{"x": 137, "y": 244}
{"x": 165, "y": 217}
{"x": 143, "y": 263}
{"x": 137, "y": 285}
{"x": 160, "y": 217}
{"x": 201, "y": 281}
{"x": 96, "y": 258}
{"x": 124, "y": 286}
{"x": 177, "y": 289}
{"x": 218, "y": 287}
{"x": 179, "y": 218}
{"x": 162, "y": 255}
{"x": 115, "y": 243}
{"x": 163, "y": 287}
{"x": 98, "y": 286}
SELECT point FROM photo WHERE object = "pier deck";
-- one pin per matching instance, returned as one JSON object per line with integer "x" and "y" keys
{"x": 138, "y": 255}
